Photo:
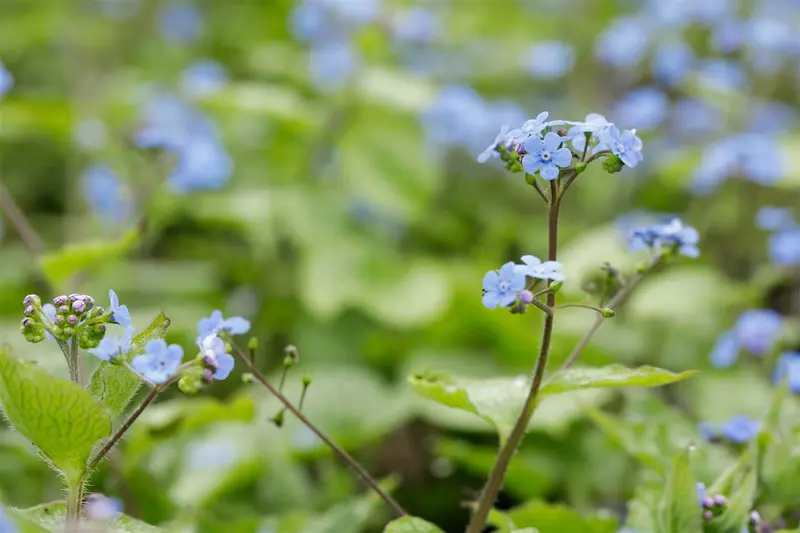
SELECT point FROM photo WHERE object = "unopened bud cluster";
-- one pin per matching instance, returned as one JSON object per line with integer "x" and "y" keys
{"x": 67, "y": 318}
{"x": 713, "y": 506}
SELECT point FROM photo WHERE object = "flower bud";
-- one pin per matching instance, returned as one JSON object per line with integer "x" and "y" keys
{"x": 63, "y": 309}
{"x": 248, "y": 378}
{"x": 708, "y": 503}
{"x": 720, "y": 500}
{"x": 30, "y": 311}
{"x": 530, "y": 179}
{"x": 252, "y": 344}
{"x": 526, "y": 297}
{"x": 278, "y": 418}
{"x": 72, "y": 320}
{"x": 68, "y": 333}
{"x": 306, "y": 380}
{"x": 210, "y": 362}
{"x": 291, "y": 352}
{"x": 208, "y": 377}
{"x": 59, "y": 300}
{"x": 79, "y": 306}
{"x": 555, "y": 286}
{"x": 32, "y": 299}
{"x": 89, "y": 301}
{"x": 607, "y": 312}
{"x": 580, "y": 166}
{"x": 613, "y": 164}
{"x": 189, "y": 385}
{"x": 59, "y": 320}
{"x": 708, "y": 515}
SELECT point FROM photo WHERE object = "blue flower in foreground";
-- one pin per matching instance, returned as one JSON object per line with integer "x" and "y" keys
{"x": 595, "y": 123}
{"x": 726, "y": 350}
{"x": 545, "y": 156}
{"x": 6, "y": 526}
{"x": 773, "y": 218}
{"x": 789, "y": 368}
{"x": 119, "y": 313}
{"x": 500, "y": 289}
{"x": 784, "y": 248}
{"x": 113, "y": 348}
{"x": 491, "y": 150}
{"x": 203, "y": 78}
{"x": 216, "y": 324}
{"x": 757, "y": 330}
{"x": 159, "y": 362}
{"x": 6, "y": 80}
{"x": 625, "y": 145}
{"x": 214, "y": 351}
{"x": 534, "y": 268}
{"x": 180, "y": 22}
{"x": 549, "y": 59}
{"x": 739, "y": 429}
{"x": 531, "y": 127}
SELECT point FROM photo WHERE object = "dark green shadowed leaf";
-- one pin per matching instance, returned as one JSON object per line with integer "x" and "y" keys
{"x": 679, "y": 510}
{"x": 115, "y": 386}
{"x": 51, "y": 517}
{"x": 411, "y": 524}
{"x": 60, "y": 418}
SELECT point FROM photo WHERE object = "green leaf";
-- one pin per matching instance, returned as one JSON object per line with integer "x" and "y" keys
{"x": 51, "y": 517}
{"x": 733, "y": 475}
{"x": 611, "y": 376}
{"x": 411, "y": 524}
{"x": 624, "y": 436}
{"x": 679, "y": 510}
{"x": 551, "y": 518}
{"x": 349, "y": 516}
{"x": 737, "y": 514}
{"x": 63, "y": 420}
{"x": 499, "y": 400}
{"x": 61, "y": 265}
{"x": 114, "y": 385}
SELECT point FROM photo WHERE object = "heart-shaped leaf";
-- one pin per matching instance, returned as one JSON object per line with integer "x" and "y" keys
{"x": 60, "y": 418}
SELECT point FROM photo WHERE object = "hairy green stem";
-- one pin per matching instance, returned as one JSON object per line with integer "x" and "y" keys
{"x": 346, "y": 457}
{"x": 74, "y": 501}
{"x": 495, "y": 481}
{"x": 72, "y": 362}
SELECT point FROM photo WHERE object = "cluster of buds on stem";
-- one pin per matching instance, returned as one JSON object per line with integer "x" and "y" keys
{"x": 67, "y": 318}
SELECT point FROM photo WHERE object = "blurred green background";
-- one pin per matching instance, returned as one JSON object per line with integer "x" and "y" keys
{"x": 355, "y": 224}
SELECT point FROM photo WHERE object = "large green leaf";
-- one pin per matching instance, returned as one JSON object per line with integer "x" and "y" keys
{"x": 735, "y": 517}
{"x": 551, "y": 518}
{"x": 51, "y": 517}
{"x": 411, "y": 524}
{"x": 499, "y": 400}
{"x": 63, "y": 420}
{"x": 114, "y": 385}
{"x": 679, "y": 510}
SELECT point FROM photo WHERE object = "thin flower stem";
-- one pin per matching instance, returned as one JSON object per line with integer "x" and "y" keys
{"x": 539, "y": 190}
{"x": 581, "y": 306}
{"x": 547, "y": 310}
{"x": 495, "y": 481}
{"x": 30, "y": 239}
{"x": 346, "y": 457}
{"x": 618, "y": 299}
{"x": 125, "y": 427}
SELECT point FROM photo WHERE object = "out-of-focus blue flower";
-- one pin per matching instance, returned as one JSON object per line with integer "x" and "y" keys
{"x": 771, "y": 117}
{"x": 180, "y": 22}
{"x": 757, "y": 330}
{"x": 491, "y": 150}
{"x": 106, "y": 193}
{"x": 216, "y": 323}
{"x": 728, "y": 35}
{"x": 101, "y": 508}
{"x": 624, "y": 42}
{"x": 784, "y": 248}
{"x": 113, "y": 348}
{"x": 788, "y": 368}
{"x": 694, "y": 116}
{"x": 458, "y": 116}
{"x": 500, "y": 289}
{"x": 332, "y": 63}
{"x": 644, "y": 108}
{"x": 534, "y": 267}
{"x": 625, "y": 145}
{"x": 702, "y": 494}
{"x": 756, "y": 157}
{"x": 90, "y": 134}
{"x": 707, "y": 430}
{"x": 203, "y": 164}
{"x": 549, "y": 59}
{"x": 672, "y": 62}
{"x": 6, "y": 80}
{"x": 721, "y": 75}
{"x": 203, "y": 78}
{"x": 159, "y": 362}
{"x": 416, "y": 25}
{"x": 213, "y": 348}
{"x": 168, "y": 122}
{"x": 6, "y": 526}
{"x": 308, "y": 21}
{"x": 725, "y": 351}
{"x": 545, "y": 156}
{"x": 679, "y": 13}
{"x": 119, "y": 313}
{"x": 674, "y": 234}
{"x": 773, "y": 218}
{"x": 739, "y": 429}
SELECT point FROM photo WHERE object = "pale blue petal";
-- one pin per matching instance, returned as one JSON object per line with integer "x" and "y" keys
{"x": 562, "y": 157}
{"x": 490, "y": 280}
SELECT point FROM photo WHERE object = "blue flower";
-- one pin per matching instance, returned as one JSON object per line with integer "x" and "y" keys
{"x": 721, "y": 75}
{"x": 692, "y": 116}
{"x": 784, "y": 248}
{"x": 106, "y": 193}
{"x": 500, "y": 289}
{"x": 180, "y": 22}
{"x": 203, "y": 78}
{"x": 100, "y": 507}
{"x": 213, "y": 348}
{"x": 6, "y": 525}
{"x": 545, "y": 156}
{"x": 119, "y": 313}
{"x": 707, "y": 430}
{"x": 549, "y": 59}
{"x": 739, "y": 429}
{"x": 332, "y": 63}
{"x": 6, "y": 80}
{"x": 308, "y": 21}
{"x": 726, "y": 350}
{"x": 624, "y": 42}
{"x": 675, "y": 234}
{"x": 159, "y": 362}
{"x": 702, "y": 494}
{"x": 757, "y": 330}
{"x": 773, "y": 218}
{"x": 672, "y": 62}
{"x": 216, "y": 324}
{"x": 113, "y": 348}
{"x": 533, "y": 267}
{"x": 625, "y": 145}
{"x": 646, "y": 107}
{"x": 491, "y": 150}
{"x": 203, "y": 164}
{"x": 416, "y": 25}
{"x": 789, "y": 368}
{"x": 531, "y": 127}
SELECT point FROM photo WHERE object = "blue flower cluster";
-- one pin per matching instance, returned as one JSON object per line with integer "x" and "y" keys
{"x": 180, "y": 22}
{"x": 751, "y": 155}
{"x": 673, "y": 236}
{"x": 784, "y": 240}
{"x": 755, "y": 332}
{"x": 545, "y": 147}
{"x": 739, "y": 429}
{"x": 502, "y": 288}
{"x": 107, "y": 194}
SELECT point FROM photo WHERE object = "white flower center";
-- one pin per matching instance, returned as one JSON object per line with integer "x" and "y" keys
{"x": 545, "y": 155}
{"x": 503, "y": 286}
{"x": 620, "y": 148}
